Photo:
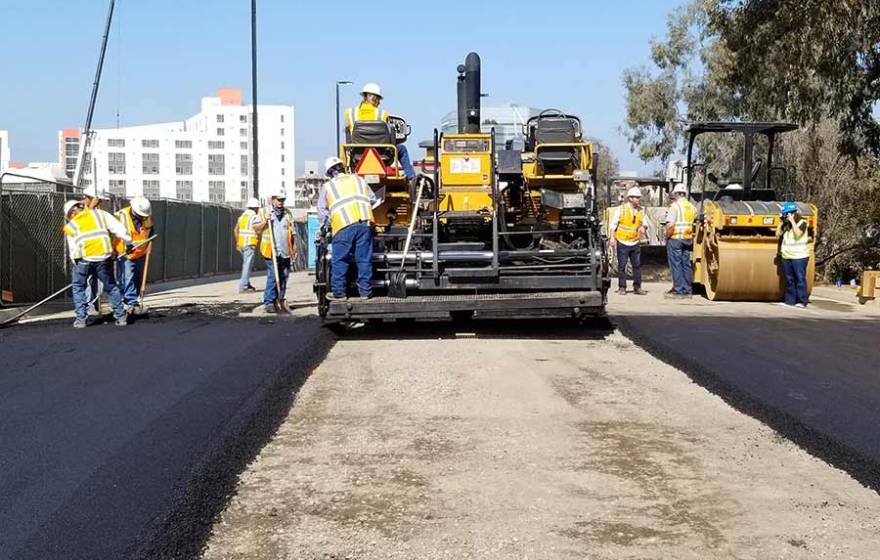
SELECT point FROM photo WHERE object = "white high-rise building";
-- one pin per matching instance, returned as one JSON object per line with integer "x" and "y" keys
{"x": 205, "y": 158}
{"x": 4, "y": 150}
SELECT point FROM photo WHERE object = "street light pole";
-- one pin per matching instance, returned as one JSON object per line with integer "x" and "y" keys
{"x": 256, "y": 152}
{"x": 339, "y": 83}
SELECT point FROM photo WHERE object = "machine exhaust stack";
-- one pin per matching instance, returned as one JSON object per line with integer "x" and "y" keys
{"x": 469, "y": 95}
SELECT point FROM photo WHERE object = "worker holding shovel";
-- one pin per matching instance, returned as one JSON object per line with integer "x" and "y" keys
{"x": 138, "y": 222}
{"x": 278, "y": 248}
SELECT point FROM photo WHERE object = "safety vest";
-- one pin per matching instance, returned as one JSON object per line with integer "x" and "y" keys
{"x": 138, "y": 235}
{"x": 247, "y": 236}
{"x": 628, "y": 223}
{"x": 91, "y": 239}
{"x": 685, "y": 214}
{"x": 348, "y": 199}
{"x": 364, "y": 112}
{"x": 266, "y": 236}
{"x": 795, "y": 246}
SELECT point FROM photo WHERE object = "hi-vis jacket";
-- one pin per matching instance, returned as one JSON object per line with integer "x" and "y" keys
{"x": 137, "y": 234}
{"x": 364, "y": 112}
{"x": 795, "y": 242}
{"x": 629, "y": 220}
{"x": 348, "y": 200}
{"x": 247, "y": 236}
{"x": 266, "y": 235}
{"x": 88, "y": 235}
{"x": 685, "y": 214}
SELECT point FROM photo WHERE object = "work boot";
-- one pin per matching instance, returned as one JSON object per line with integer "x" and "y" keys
{"x": 639, "y": 292}
{"x": 122, "y": 321}
{"x": 621, "y": 291}
{"x": 79, "y": 324}
{"x": 246, "y": 290}
{"x": 269, "y": 309}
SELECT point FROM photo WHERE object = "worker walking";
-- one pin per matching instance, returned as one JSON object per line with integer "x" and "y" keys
{"x": 246, "y": 242}
{"x": 88, "y": 232}
{"x": 346, "y": 201}
{"x": 680, "y": 242}
{"x": 280, "y": 220}
{"x": 795, "y": 252}
{"x": 138, "y": 222}
{"x": 368, "y": 110}
{"x": 627, "y": 228}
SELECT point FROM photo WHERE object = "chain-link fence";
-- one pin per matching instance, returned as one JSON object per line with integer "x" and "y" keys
{"x": 195, "y": 240}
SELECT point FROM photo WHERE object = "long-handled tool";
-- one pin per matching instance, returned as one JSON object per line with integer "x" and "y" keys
{"x": 280, "y": 306}
{"x": 397, "y": 280}
{"x": 18, "y": 316}
{"x": 143, "y": 287}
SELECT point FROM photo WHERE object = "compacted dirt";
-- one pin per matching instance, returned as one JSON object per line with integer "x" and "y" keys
{"x": 534, "y": 441}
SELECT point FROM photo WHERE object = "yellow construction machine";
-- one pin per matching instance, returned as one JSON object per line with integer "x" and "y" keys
{"x": 736, "y": 249}
{"x": 485, "y": 232}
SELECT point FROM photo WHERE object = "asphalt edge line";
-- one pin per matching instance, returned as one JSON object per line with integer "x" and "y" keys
{"x": 816, "y": 443}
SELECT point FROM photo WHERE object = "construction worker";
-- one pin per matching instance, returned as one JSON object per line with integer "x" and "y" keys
{"x": 246, "y": 240}
{"x": 280, "y": 220}
{"x": 368, "y": 110}
{"x": 138, "y": 222}
{"x": 680, "y": 242}
{"x": 628, "y": 227}
{"x": 346, "y": 201}
{"x": 89, "y": 232}
{"x": 795, "y": 252}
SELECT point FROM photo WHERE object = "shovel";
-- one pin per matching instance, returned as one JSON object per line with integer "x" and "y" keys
{"x": 279, "y": 304}
{"x": 397, "y": 280}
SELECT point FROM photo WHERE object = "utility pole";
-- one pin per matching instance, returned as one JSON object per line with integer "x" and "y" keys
{"x": 256, "y": 151}
{"x": 339, "y": 83}
{"x": 86, "y": 138}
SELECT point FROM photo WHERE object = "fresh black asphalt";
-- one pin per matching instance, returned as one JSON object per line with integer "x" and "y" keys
{"x": 125, "y": 442}
{"x": 813, "y": 378}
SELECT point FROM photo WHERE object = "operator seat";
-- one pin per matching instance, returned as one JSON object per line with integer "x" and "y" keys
{"x": 555, "y": 127}
{"x": 371, "y": 134}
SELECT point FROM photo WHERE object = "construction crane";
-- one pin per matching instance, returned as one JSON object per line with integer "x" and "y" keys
{"x": 495, "y": 232}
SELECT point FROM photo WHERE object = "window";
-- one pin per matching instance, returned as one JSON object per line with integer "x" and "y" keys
{"x": 282, "y": 144}
{"x": 282, "y": 132}
{"x": 184, "y": 190}
{"x": 282, "y": 171}
{"x": 282, "y": 158}
{"x": 243, "y": 145}
{"x": 217, "y": 191}
{"x": 244, "y": 165}
{"x": 244, "y": 191}
{"x": 150, "y": 164}
{"x": 116, "y": 143}
{"x": 220, "y": 132}
{"x": 183, "y": 144}
{"x": 116, "y": 163}
{"x": 216, "y": 145}
{"x": 242, "y": 118}
{"x": 242, "y": 132}
{"x": 219, "y": 118}
{"x": 216, "y": 164}
{"x": 183, "y": 164}
{"x": 151, "y": 189}
{"x": 149, "y": 143}
{"x": 282, "y": 120}
{"x": 117, "y": 187}
{"x": 71, "y": 150}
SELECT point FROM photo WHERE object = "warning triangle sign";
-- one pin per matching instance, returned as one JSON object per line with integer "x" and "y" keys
{"x": 370, "y": 163}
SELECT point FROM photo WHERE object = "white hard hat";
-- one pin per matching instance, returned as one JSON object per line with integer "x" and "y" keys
{"x": 279, "y": 194}
{"x": 634, "y": 191}
{"x": 679, "y": 188}
{"x": 68, "y": 206}
{"x": 331, "y": 162}
{"x": 141, "y": 206}
{"x": 253, "y": 203}
{"x": 733, "y": 187}
{"x": 372, "y": 88}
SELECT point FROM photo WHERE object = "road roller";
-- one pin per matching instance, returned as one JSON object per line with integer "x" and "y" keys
{"x": 736, "y": 248}
{"x": 487, "y": 230}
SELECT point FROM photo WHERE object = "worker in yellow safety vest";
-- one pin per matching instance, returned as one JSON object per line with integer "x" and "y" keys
{"x": 680, "y": 220}
{"x": 138, "y": 221}
{"x": 280, "y": 219}
{"x": 347, "y": 202}
{"x": 246, "y": 241}
{"x": 88, "y": 232}
{"x": 368, "y": 110}
{"x": 794, "y": 249}
{"x": 627, "y": 228}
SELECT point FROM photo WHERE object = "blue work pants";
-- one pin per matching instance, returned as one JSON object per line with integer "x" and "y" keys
{"x": 129, "y": 274}
{"x": 355, "y": 241}
{"x": 269, "y": 294}
{"x": 795, "y": 280}
{"x": 103, "y": 270}
{"x": 629, "y": 253}
{"x": 403, "y": 158}
{"x": 247, "y": 264}
{"x": 678, "y": 252}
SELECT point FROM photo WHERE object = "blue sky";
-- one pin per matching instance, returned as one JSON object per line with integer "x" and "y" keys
{"x": 165, "y": 55}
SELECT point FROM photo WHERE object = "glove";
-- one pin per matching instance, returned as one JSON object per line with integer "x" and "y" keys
{"x": 129, "y": 247}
